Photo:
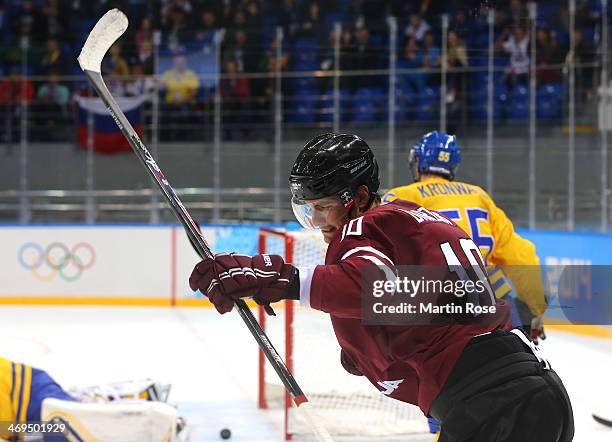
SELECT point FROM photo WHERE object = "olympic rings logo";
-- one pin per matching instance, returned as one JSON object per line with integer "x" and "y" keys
{"x": 57, "y": 259}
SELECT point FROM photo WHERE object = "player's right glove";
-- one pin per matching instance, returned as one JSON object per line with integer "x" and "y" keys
{"x": 231, "y": 276}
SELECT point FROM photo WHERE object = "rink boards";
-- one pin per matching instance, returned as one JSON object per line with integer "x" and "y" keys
{"x": 150, "y": 264}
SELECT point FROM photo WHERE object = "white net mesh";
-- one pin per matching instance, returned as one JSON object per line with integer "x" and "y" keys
{"x": 349, "y": 406}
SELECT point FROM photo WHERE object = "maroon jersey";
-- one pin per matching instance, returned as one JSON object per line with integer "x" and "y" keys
{"x": 408, "y": 363}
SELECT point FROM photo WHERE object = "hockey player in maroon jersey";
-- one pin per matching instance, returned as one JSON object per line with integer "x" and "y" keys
{"x": 484, "y": 382}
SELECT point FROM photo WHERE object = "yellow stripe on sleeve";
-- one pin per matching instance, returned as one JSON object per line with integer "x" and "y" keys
{"x": 17, "y": 378}
{"x": 25, "y": 397}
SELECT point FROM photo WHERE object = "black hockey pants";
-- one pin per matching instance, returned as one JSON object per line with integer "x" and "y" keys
{"x": 499, "y": 391}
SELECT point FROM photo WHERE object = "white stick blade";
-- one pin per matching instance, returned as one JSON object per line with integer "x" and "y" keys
{"x": 319, "y": 431}
{"x": 106, "y": 32}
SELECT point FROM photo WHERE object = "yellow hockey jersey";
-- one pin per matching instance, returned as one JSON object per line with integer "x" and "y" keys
{"x": 475, "y": 212}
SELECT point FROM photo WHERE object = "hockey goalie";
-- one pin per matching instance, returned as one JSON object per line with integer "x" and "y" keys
{"x": 121, "y": 411}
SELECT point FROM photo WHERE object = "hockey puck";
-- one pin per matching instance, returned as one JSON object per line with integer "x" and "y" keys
{"x": 225, "y": 433}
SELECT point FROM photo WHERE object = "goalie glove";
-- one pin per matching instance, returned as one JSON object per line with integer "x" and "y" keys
{"x": 231, "y": 276}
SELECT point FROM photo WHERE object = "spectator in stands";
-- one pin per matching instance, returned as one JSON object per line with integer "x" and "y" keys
{"x": 411, "y": 58}
{"x": 53, "y": 59}
{"x": 179, "y": 86}
{"x": 271, "y": 61}
{"x": 252, "y": 16}
{"x": 14, "y": 90}
{"x": 346, "y": 47}
{"x": 310, "y": 24}
{"x": 116, "y": 69}
{"x": 175, "y": 30}
{"x": 139, "y": 82}
{"x": 235, "y": 92}
{"x": 515, "y": 15}
{"x": 479, "y": 25}
{"x": 263, "y": 88}
{"x": 289, "y": 14}
{"x": 430, "y": 59}
{"x": 417, "y": 27}
{"x": 241, "y": 52}
{"x": 31, "y": 22}
{"x": 460, "y": 24}
{"x": 169, "y": 7}
{"x": 205, "y": 32}
{"x": 234, "y": 85}
{"x": 363, "y": 57}
{"x": 549, "y": 57}
{"x": 215, "y": 7}
{"x": 57, "y": 17}
{"x": 327, "y": 56}
{"x": 52, "y": 100}
{"x": 226, "y": 15}
{"x": 239, "y": 22}
{"x": 144, "y": 57}
{"x": 515, "y": 42}
{"x": 456, "y": 59}
{"x": 584, "y": 56}
{"x": 144, "y": 33}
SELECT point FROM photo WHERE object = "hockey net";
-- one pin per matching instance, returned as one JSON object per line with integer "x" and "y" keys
{"x": 348, "y": 406}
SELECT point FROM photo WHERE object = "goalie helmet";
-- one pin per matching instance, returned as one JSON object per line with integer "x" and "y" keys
{"x": 436, "y": 153}
{"x": 333, "y": 164}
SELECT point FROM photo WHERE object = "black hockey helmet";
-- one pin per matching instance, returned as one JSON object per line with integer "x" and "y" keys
{"x": 333, "y": 164}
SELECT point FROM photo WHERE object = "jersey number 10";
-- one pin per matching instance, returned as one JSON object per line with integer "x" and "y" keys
{"x": 470, "y": 250}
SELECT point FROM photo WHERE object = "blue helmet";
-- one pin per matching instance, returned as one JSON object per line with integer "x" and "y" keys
{"x": 437, "y": 153}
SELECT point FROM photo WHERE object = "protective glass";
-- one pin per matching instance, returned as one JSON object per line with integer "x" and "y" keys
{"x": 312, "y": 214}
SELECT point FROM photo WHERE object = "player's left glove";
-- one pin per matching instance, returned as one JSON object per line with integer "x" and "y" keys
{"x": 231, "y": 276}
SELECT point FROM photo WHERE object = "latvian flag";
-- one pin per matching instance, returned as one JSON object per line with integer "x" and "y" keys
{"x": 107, "y": 137}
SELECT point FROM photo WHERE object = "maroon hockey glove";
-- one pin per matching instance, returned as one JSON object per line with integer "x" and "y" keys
{"x": 348, "y": 363}
{"x": 227, "y": 277}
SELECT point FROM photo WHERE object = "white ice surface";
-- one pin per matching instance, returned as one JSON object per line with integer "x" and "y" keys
{"x": 211, "y": 362}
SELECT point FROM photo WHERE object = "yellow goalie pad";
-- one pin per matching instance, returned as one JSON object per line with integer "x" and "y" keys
{"x": 129, "y": 421}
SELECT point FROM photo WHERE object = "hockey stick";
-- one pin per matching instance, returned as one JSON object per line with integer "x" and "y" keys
{"x": 602, "y": 421}
{"x": 106, "y": 32}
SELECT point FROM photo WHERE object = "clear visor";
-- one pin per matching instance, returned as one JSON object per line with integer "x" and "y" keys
{"x": 312, "y": 214}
